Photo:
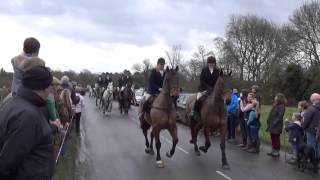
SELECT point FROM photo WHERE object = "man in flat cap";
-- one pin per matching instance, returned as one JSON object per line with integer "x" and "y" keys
{"x": 26, "y": 148}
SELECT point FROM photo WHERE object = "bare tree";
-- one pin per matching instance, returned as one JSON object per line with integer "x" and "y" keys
{"x": 306, "y": 22}
{"x": 251, "y": 46}
{"x": 174, "y": 56}
{"x": 201, "y": 55}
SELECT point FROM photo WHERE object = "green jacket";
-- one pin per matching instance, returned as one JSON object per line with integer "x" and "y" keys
{"x": 51, "y": 106}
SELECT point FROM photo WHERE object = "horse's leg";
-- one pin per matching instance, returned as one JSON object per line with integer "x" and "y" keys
{"x": 196, "y": 130}
{"x": 223, "y": 132}
{"x": 156, "y": 133}
{"x": 145, "y": 127}
{"x": 207, "y": 140}
{"x": 173, "y": 133}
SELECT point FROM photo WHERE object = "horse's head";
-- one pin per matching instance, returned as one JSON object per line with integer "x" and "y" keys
{"x": 220, "y": 87}
{"x": 171, "y": 82}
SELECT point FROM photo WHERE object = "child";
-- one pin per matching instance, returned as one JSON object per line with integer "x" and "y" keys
{"x": 253, "y": 127}
{"x": 78, "y": 110}
{"x": 295, "y": 135}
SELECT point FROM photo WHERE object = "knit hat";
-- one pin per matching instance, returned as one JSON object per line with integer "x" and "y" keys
{"x": 37, "y": 78}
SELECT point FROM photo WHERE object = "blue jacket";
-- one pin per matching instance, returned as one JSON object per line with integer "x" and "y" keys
{"x": 295, "y": 132}
{"x": 252, "y": 120}
{"x": 232, "y": 107}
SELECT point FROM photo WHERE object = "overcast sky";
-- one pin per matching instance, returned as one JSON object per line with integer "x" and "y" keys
{"x": 111, "y": 35}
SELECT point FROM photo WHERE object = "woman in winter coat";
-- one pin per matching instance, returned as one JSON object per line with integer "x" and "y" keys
{"x": 275, "y": 123}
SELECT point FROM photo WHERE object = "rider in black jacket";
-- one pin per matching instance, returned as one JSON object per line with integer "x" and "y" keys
{"x": 208, "y": 78}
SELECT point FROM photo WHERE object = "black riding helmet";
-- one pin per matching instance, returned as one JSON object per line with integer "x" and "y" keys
{"x": 211, "y": 59}
{"x": 161, "y": 61}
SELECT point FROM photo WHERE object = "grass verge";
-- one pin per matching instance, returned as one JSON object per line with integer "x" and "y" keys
{"x": 66, "y": 167}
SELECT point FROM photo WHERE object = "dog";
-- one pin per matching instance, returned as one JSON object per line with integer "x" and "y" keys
{"x": 306, "y": 153}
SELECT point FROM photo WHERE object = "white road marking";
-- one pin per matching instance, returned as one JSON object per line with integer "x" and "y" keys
{"x": 167, "y": 140}
{"x": 223, "y": 175}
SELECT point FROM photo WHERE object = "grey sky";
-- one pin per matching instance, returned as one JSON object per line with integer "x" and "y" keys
{"x": 138, "y": 22}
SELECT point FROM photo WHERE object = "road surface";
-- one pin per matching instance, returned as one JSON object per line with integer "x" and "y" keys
{"x": 112, "y": 148}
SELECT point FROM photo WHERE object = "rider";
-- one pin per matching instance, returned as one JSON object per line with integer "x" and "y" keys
{"x": 208, "y": 78}
{"x": 100, "y": 80}
{"x": 108, "y": 78}
{"x": 155, "y": 85}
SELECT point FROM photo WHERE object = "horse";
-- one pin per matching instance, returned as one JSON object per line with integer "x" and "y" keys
{"x": 90, "y": 90}
{"x": 107, "y": 99}
{"x": 125, "y": 99}
{"x": 162, "y": 116}
{"x": 213, "y": 116}
{"x": 99, "y": 93}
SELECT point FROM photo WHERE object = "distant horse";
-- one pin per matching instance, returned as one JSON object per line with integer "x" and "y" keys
{"x": 99, "y": 93}
{"x": 213, "y": 116}
{"x": 107, "y": 99}
{"x": 125, "y": 99}
{"x": 162, "y": 116}
{"x": 90, "y": 90}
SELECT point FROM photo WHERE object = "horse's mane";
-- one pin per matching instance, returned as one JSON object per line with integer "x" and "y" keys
{"x": 219, "y": 89}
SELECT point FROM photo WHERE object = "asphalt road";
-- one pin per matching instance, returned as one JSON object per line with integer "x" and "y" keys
{"x": 112, "y": 148}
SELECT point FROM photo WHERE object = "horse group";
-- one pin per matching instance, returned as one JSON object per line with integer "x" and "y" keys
{"x": 163, "y": 116}
{"x": 104, "y": 97}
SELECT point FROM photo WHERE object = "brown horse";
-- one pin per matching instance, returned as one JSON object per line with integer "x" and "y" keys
{"x": 162, "y": 116}
{"x": 213, "y": 116}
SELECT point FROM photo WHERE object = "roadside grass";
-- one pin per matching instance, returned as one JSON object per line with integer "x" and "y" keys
{"x": 66, "y": 167}
{"x": 264, "y": 136}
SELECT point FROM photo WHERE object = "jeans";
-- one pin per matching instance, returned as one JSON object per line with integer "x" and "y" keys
{"x": 312, "y": 141}
{"x": 295, "y": 148}
{"x": 231, "y": 126}
{"x": 243, "y": 128}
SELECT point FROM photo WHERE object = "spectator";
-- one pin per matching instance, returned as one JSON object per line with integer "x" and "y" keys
{"x": 253, "y": 126}
{"x": 275, "y": 123}
{"x": 311, "y": 122}
{"x": 232, "y": 116}
{"x": 51, "y": 105}
{"x": 302, "y": 106}
{"x": 295, "y": 136}
{"x": 26, "y": 149}
{"x": 242, "y": 116}
{"x": 78, "y": 110}
{"x": 25, "y": 61}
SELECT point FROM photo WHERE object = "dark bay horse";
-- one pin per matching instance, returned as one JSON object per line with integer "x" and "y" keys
{"x": 162, "y": 116}
{"x": 213, "y": 116}
{"x": 125, "y": 98}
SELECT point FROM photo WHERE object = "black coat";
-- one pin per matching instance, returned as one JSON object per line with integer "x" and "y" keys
{"x": 123, "y": 82}
{"x": 208, "y": 79}
{"x": 311, "y": 119}
{"x": 275, "y": 119}
{"x": 25, "y": 139}
{"x": 155, "y": 82}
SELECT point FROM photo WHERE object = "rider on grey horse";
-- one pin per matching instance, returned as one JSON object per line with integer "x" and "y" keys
{"x": 155, "y": 86}
{"x": 208, "y": 78}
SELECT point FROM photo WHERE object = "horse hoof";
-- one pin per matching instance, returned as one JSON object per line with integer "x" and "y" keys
{"x": 160, "y": 164}
{"x": 225, "y": 167}
{"x": 149, "y": 151}
{"x": 169, "y": 155}
{"x": 203, "y": 149}
{"x": 198, "y": 153}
